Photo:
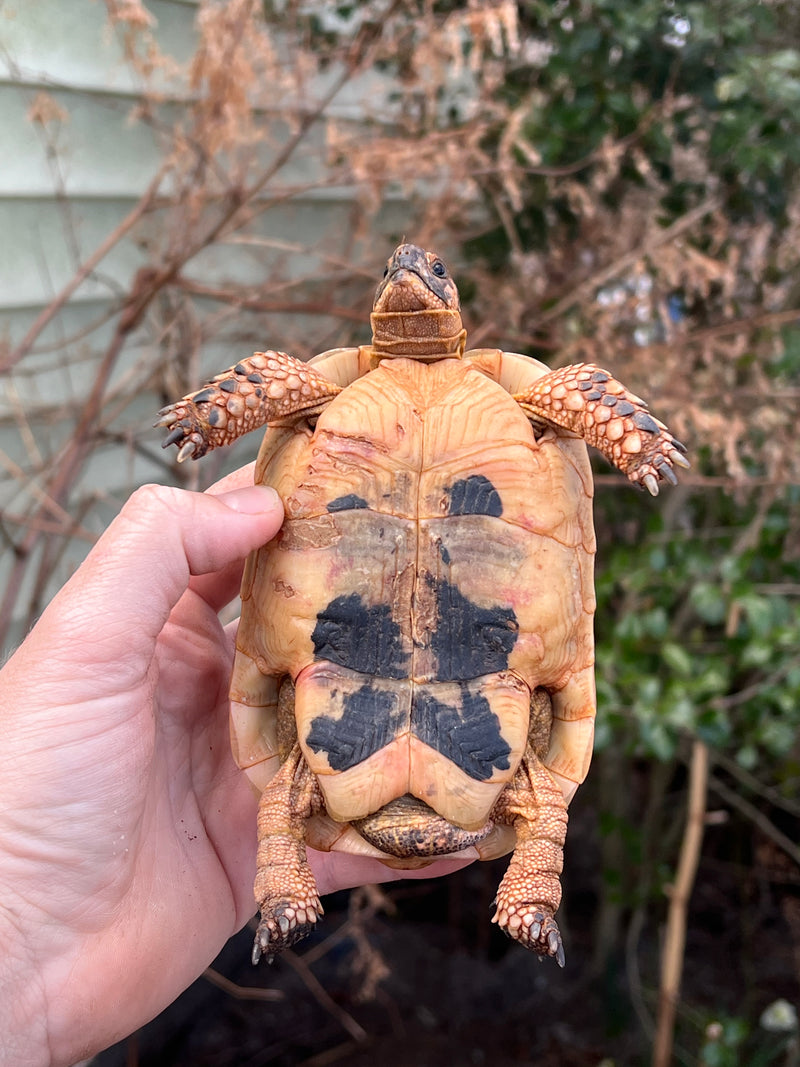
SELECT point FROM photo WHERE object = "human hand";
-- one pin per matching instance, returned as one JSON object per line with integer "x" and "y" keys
{"x": 127, "y": 834}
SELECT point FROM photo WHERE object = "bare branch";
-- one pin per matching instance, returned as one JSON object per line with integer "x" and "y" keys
{"x": 241, "y": 992}
{"x": 321, "y": 995}
{"x": 758, "y": 818}
{"x": 80, "y": 276}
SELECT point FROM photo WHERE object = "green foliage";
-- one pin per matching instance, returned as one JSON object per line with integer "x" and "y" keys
{"x": 732, "y": 1041}
{"x": 696, "y": 635}
{"x": 723, "y": 1044}
{"x": 730, "y": 68}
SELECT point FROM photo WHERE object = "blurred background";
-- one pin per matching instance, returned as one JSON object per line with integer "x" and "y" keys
{"x": 185, "y": 181}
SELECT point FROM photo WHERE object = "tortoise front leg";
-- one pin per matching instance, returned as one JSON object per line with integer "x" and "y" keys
{"x": 530, "y": 891}
{"x": 263, "y": 388}
{"x": 590, "y": 403}
{"x": 285, "y": 889}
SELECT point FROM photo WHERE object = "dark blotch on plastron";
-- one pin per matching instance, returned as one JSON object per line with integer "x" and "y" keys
{"x": 469, "y": 641}
{"x": 468, "y": 735}
{"x": 365, "y": 639}
{"x": 345, "y": 503}
{"x": 474, "y": 496}
{"x": 372, "y": 718}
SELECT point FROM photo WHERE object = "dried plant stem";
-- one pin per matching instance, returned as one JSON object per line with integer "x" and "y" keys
{"x": 758, "y": 818}
{"x": 241, "y": 992}
{"x": 749, "y": 781}
{"x": 64, "y": 474}
{"x": 147, "y": 284}
{"x": 750, "y": 322}
{"x": 248, "y": 302}
{"x": 743, "y": 695}
{"x": 318, "y": 991}
{"x": 675, "y": 940}
{"x": 654, "y": 240}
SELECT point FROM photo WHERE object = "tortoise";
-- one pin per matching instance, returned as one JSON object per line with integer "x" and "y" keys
{"x": 413, "y": 673}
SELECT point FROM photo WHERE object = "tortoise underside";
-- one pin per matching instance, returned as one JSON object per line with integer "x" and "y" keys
{"x": 435, "y": 567}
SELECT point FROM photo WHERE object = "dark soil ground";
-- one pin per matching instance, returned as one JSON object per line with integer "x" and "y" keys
{"x": 455, "y": 991}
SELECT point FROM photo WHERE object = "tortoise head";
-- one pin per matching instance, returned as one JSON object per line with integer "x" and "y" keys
{"x": 416, "y": 310}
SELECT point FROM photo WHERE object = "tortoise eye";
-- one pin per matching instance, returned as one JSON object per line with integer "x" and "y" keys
{"x": 439, "y": 269}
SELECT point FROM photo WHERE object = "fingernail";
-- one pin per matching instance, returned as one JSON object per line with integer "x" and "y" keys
{"x": 251, "y": 500}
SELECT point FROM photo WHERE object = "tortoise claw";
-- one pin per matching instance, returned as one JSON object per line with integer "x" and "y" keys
{"x": 651, "y": 482}
{"x": 166, "y": 417}
{"x": 556, "y": 947}
{"x": 668, "y": 473}
{"x": 185, "y": 451}
{"x": 173, "y": 436}
{"x": 678, "y": 457}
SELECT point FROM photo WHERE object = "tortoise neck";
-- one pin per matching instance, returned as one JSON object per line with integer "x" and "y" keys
{"x": 432, "y": 334}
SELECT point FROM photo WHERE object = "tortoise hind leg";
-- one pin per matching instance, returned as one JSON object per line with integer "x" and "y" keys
{"x": 589, "y": 402}
{"x": 530, "y": 892}
{"x": 285, "y": 889}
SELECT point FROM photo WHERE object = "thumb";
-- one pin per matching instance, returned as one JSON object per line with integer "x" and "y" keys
{"x": 127, "y": 586}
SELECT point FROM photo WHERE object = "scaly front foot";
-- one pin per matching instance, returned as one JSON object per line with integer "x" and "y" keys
{"x": 588, "y": 401}
{"x": 266, "y": 387}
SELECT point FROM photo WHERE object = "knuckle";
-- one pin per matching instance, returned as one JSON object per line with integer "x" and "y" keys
{"x": 152, "y": 502}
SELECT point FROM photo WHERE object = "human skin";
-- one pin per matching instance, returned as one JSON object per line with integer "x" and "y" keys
{"x": 127, "y": 833}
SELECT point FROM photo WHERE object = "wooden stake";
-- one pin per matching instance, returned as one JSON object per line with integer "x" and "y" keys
{"x": 675, "y": 940}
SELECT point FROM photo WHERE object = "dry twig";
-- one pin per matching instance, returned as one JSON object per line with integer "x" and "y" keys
{"x": 321, "y": 995}
{"x": 758, "y": 818}
{"x": 241, "y": 992}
